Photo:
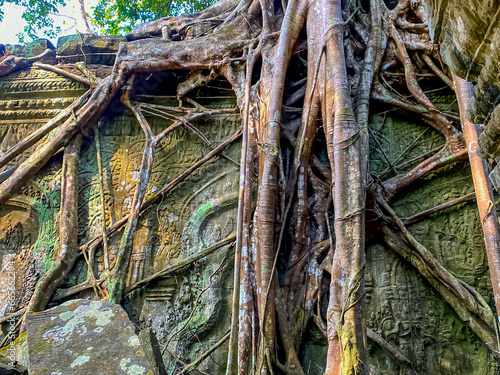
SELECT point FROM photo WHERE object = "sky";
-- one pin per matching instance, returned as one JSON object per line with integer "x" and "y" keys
{"x": 68, "y": 19}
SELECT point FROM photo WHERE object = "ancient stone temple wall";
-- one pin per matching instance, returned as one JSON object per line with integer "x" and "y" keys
{"x": 468, "y": 33}
{"x": 188, "y": 310}
{"x": 402, "y": 306}
{"x": 28, "y": 227}
{"x": 197, "y": 214}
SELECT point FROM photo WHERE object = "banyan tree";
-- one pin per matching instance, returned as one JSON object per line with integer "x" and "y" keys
{"x": 345, "y": 149}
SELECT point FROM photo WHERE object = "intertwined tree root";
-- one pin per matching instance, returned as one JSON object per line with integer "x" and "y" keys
{"x": 231, "y": 38}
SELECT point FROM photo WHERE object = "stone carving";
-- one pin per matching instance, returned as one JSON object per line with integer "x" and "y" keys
{"x": 180, "y": 225}
{"x": 188, "y": 311}
{"x": 402, "y": 307}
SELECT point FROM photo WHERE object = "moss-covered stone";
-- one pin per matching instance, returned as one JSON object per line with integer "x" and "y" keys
{"x": 37, "y": 47}
{"x": 90, "y": 48}
{"x": 152, "y": 351}
{"x": 14, "y": 49}
{"x": 85, "y": 337}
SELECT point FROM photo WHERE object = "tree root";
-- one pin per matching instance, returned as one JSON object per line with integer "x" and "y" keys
{"x": 271, "y": 90}
{"x": 68, "y": 229}
{"x": 12, "y": 63}
{"x": 181, "y": 264}
{"x": 227, "y": 39}
{"x": 65, "y": 73}
{"x": 425, "y": 214}
{"x": 13, "y": 315}
{"x": 118, "y": 275}
{"x": 103, "y": 94}
{"x": 62, "y": 294}
{"x": 467, "y": 303}
{"x": 165, "y": 189}
{"x": 346, "y": 334}
{"x": 238, "y": 360}
{"x": 190, "y": 367}
{"x": 38, "y": 134}
{"x": 484, "y": 191}
{"x": 395, "y": 353}
{"x": 442, "y": 158}
{"x": 103, "y": 200}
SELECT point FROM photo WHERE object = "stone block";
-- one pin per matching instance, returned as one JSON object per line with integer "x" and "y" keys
{"x": 90, "y": 48}
{"x": 152, "y": 350}
{"x": 14, "y": 49}
{"x": 37, "y": 47}
{"x": 85, "y": 337}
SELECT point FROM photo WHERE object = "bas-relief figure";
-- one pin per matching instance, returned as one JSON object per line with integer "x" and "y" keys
{"x": 402, "y": 307}
{"x": 189, "y": 310}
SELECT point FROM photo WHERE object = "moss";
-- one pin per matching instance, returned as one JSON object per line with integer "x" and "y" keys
{"x": 18, "y": 342}
{"x": 202, "y": 210}
{"x": 42, "y": 347}
{"x": 66, "y": 315}
{"x": 48, "y": 263}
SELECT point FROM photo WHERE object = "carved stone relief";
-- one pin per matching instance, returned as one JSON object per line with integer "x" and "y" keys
{"x": 404, "y": 308}
{"x": 189, "y": 310}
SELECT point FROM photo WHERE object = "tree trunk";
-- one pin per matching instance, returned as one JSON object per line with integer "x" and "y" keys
{"x": 299, "y": 107}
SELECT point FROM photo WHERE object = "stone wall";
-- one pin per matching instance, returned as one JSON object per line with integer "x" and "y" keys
{"x": 197, "y": 214}
{"x": 402, "y": 306}
{"x": 188, "y": 311}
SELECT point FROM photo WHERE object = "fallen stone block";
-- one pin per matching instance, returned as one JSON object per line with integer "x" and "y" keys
{"x": 152, "y": 350}
{"x": 85, "y": 337}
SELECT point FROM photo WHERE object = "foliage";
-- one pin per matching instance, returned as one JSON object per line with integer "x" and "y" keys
{"x": 109, "y": 17}
{"x": 120, "y": 16}
{"x": 38, "y": 14}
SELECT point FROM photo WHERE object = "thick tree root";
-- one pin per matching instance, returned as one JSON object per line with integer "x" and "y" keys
{"x": 68, "y": 229}
{"x": 346, "y": 330}
{"x": 238, "y": 360}
{"x": 294, "y": 188}
{"x": 484, "y": 191}
{"x": 464, "y": 299}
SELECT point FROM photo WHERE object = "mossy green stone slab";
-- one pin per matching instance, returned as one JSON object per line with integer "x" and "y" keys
{"x": 84, "y": 337}
{"x": 37, "y": 47}
{"x": 90, "y": 48}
